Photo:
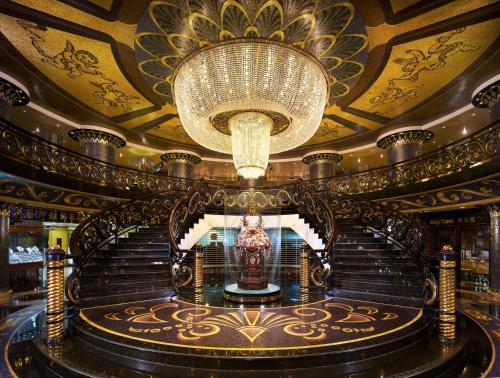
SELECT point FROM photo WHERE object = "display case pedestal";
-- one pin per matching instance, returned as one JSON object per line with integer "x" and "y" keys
{"x": 235, "y": 294}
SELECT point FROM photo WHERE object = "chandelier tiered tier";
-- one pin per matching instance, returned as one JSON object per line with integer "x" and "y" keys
{"x": 256, "y": 81}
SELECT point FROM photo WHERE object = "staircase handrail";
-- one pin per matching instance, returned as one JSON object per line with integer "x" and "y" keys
{"x": 414, "y": 238}
{"x": 202, "y": 197}
{"x": 101, "y": 228}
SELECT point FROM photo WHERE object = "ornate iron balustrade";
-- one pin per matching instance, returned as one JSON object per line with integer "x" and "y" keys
{"x": 404, "y": 230}
{"x": 21, "y": 146}
{"x": 477, "y": 148}
{"x": 103, "y": 227}
{"x": 300, "y": 197}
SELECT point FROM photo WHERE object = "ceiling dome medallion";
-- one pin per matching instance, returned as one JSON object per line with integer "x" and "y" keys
{"x": 219, "y": 59}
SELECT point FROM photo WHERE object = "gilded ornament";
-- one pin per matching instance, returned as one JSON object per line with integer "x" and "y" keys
{"x": 405, "y": 137}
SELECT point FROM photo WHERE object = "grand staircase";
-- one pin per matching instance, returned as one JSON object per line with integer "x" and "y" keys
{"x": 137, "y": 264}
{"x": 367, "y": 266}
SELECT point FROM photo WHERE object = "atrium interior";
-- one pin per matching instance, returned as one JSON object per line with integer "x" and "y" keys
{"x": 241, "y": 188}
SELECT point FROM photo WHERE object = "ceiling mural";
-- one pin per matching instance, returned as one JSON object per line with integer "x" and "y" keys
{"x": 329, "y": 130}
{"x": 172, "y": 130}
{"x": 383, "y": 67}
{"x": 86, "y": 68}
{"x": 419, "y": 69}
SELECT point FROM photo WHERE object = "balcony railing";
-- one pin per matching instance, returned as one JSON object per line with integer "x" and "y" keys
{"x": 21, "y": 146}
{"x": 468, "y": 152}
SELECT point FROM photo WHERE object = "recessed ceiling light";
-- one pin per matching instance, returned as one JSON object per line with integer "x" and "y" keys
{"x": 444, "y": 127}
{"x": 24, "y": 111}
{"x": 473, "y": 114}
{"x": 381, "y": 155}
{"x": 359, "y": 160}
{"x": 464, "y": 131}
{"x": 57, "y": 125}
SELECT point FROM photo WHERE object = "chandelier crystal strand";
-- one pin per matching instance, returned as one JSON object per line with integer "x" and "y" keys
{"x": 245, "y": 76}
{"x": 250, "y": 138}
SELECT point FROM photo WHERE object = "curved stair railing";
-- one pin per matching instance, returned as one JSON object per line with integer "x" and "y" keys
{"x": 403, "y": 230}
{"x": 202, "y": 198}
{"x": 104, "y": 227}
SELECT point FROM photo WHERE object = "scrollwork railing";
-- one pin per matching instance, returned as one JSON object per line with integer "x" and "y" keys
{"x": 104, "y": 227}
{"x": 404, "y": 230}
{"x": 21, "y": 146}
{"x": 473, "y": 150}
{"x": 202, "y": 197}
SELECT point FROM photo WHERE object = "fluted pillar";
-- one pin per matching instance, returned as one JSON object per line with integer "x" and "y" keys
{"x": 198, "y": 274}
{"x": 304, "y": 273}
{"x": 97, "y": 143}
{"x": 12, "y": 93}
{"x": 403, "y": 144}
{"x": 55, "y": 295}
{"x": 322, "y": 164}
{"x": 488, "y": 96}
{"x": 494, "y": 211}
{"x": 180, "y": 163}
{"x": 4, "y": 248}
{"x": 447, "y": 296}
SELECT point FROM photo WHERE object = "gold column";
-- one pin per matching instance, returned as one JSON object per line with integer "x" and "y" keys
{"x": 198, "y": 274}
{"x": 304, "y": 274}
{"x": 55, "y": 295}
{"x": 447, "y": 296}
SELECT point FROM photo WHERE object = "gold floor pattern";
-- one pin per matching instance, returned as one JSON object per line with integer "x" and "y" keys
{"x": 172, "y": 322}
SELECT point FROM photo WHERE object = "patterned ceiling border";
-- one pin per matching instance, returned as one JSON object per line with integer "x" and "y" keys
{"x": 155, "y": 122}
{"x": 421, "y": 7}
{"x": 23, "y": 213}
{"x": 15, "y": 190}
{"x": 96, "y": 10}
{"x": 480, "y": 15}
{"x": 38, "y": 18}
{"x": 472, "y": 193}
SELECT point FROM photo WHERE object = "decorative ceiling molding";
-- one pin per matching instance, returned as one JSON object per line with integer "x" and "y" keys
{"x": 92, "y": 25}
{"x": 473, "y": 193}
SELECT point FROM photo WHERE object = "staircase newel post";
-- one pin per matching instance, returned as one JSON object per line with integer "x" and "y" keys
{"x": 198, "y": 274}
{"x": 447, "y": 296}
{"x": 304, "y": 273}
{"x": 55, "y": 296}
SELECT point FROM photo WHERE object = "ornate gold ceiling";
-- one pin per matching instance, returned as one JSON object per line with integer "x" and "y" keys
{"x": 78, "y": 57}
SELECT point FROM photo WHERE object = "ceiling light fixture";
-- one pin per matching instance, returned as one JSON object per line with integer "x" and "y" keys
{"x": 254, "y": 80}
{"x": 250, "y": 98}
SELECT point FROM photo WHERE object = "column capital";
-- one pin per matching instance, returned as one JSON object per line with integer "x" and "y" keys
{"x": 13, "y": 92}
{"x": 493, "y": 209}
{"x": 487, "y": 95}
{"x": 324, "y": 156}
{"x": 406, "y": 136}
{"x": 96, "y": 134}
{"x": 181, "y": 156}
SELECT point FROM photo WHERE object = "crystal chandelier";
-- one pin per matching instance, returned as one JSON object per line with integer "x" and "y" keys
{"x": 250, "y": 139}
{"x": 250, "y": 98}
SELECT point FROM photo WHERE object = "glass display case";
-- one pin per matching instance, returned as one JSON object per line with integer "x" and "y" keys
{"x": 252, "y": 250}
{"x": 26, "y": 247}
